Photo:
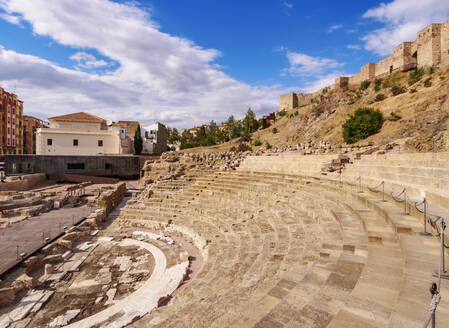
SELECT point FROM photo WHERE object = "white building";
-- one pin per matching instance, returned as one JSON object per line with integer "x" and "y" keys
{"x": 154, "y": 138}
{"x": 79, "y": 134}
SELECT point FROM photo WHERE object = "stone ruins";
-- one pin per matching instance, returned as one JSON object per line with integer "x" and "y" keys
{"x": 431, "y": 49}
{"x": 311, "y": 235}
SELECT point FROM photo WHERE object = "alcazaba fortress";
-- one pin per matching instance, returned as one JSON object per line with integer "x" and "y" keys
{"x": 431, "y": 49}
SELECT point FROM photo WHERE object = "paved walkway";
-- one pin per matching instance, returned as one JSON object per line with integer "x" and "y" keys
{"x": 30, "y": 233}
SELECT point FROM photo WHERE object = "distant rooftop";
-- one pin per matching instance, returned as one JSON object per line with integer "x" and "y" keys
{"x": 78, "y": 117}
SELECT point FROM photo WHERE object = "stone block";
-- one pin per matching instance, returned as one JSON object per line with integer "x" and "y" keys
{"x": 31, "y": 264}
{"x": 22, "y": 282}
{"x": 52, "y": 259}
{"x": 7, "y": 296}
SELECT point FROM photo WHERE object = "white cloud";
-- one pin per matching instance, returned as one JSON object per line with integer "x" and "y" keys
{"x": 321, "y": 82}
{"x": 160, "y": 76}
{"x": 334, "y": 27}
{"x": 288, "y": 4}
{"x": 86, "y": 60}
{"x": 302, "y": 64}
{"x": 11, "y": 18}
{"x": 402, "y": 19}
{"x": 320, "y": 72}
{"x": 354, "y": 47}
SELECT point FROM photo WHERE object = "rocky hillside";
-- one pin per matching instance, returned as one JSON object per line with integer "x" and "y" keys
{"x": 420, "y": 119}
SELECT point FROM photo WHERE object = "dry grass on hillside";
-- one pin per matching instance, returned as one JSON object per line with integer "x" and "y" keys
{"x": 423, "y": 126}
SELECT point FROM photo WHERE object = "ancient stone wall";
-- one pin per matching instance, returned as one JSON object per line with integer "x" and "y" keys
{"x": 429, "y": 46}
{"x": 445, "y": 43}
{"x": 23, "y": 183}
{"x": 304, "y": 98}
{"x": 430, "y": 49}
{"x": 288, "y": 101}
{"x": 110, "y": 197}
{"x": 367, "y": 73}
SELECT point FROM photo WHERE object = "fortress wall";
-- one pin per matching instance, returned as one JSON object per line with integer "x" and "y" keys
{"x": 288, "y": 101}
{"x": 367, "y": 72}
{"x": 304, "y": 98}
{"x": 403, "y": 57}
{"x": 445, "y": 43}
{"x": 356, "y": 78}
{"x": 429, "y": 46}
{"x": 341, "y": 83}
{"x": 383, "y": 66}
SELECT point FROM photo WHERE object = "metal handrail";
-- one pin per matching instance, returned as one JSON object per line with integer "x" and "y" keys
{"x": 436, "y": 287}
{"x": 395, "y": 197}
{"x": 373, "y": 189}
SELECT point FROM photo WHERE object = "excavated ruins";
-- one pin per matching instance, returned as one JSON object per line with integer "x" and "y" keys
{"x": 285, "y": 240}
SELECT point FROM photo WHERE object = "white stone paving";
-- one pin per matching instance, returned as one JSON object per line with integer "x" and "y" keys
{"x": 162, "y": 282}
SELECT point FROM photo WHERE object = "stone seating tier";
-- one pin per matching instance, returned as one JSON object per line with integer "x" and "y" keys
{"x": 299, "y": 252}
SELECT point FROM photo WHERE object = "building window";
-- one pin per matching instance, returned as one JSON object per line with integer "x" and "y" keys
{"x": 107, "y": 166}
{"x": 49, "y": 142}
{"x": 75, "y": 166}
{"x": 75, "y": 142}
{"x": 100, "y": 143}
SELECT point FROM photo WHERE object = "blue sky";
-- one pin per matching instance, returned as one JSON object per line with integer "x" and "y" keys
{"x": 187, "y": 62}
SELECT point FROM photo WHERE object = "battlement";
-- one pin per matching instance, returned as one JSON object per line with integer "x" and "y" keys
{"x": 431, "y": 48}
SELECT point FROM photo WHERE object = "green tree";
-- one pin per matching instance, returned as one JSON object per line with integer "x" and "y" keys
{"x": 173, "y": 135}
{"x": 363, "y": 123}
{"x": 250, "y": 123}
{"x": 201, "y": 136}
{"x": 138, "y": 142}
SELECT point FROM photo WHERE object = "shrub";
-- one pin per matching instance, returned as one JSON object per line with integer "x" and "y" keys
{"x": 377, "y": 84}
{"x": 296, "y": 113}
{"x": 317, "y": 111}
{"x": 351, "y": 101}
{"x": 282, "y": 113}
{"x": 431, "y": 70}
{"x": 244, "y": 147}
{"x": 412, "y": 90}
{"x": 428, "y": 83}
{"x": 257, "y": 142}
{"x": 275, "y": 130}
{"x": 363, "y": 123}
{"x": 267, "y": 145}
{"x": 415, "y": 75}
{"x": 365, "y": 85}
{"x": 393, "y": 117}
{"x": 324, "y": 91}
{"x": 397, "y": 90}
{"x": 442, "y": 78}
{"x": 370, "y": 102}
{"x": 380, "y": 97}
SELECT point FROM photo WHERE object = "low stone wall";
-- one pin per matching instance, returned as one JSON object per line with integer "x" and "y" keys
{"x": 23, "y": 183}
{"x": 292, "y": 164}
{"x": 110, "y": 198}
{"x": 82, "y": 178}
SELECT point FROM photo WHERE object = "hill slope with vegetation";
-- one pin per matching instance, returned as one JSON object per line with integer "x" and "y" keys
{"x": 414, "y": 108}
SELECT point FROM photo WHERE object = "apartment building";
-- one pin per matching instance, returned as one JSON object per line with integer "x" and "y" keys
{"x": 30, "y": 126}
{"x": 11, "y": 123}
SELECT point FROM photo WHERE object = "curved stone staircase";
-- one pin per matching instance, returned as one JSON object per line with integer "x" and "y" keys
{"x": 292, "y": 251}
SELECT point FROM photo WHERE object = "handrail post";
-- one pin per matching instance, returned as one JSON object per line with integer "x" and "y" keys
{"x": 360, "y": 185}
{"x": 425, "y": 233}
{"x": 441, "y": 272}
{"x": 405, "y": 203}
